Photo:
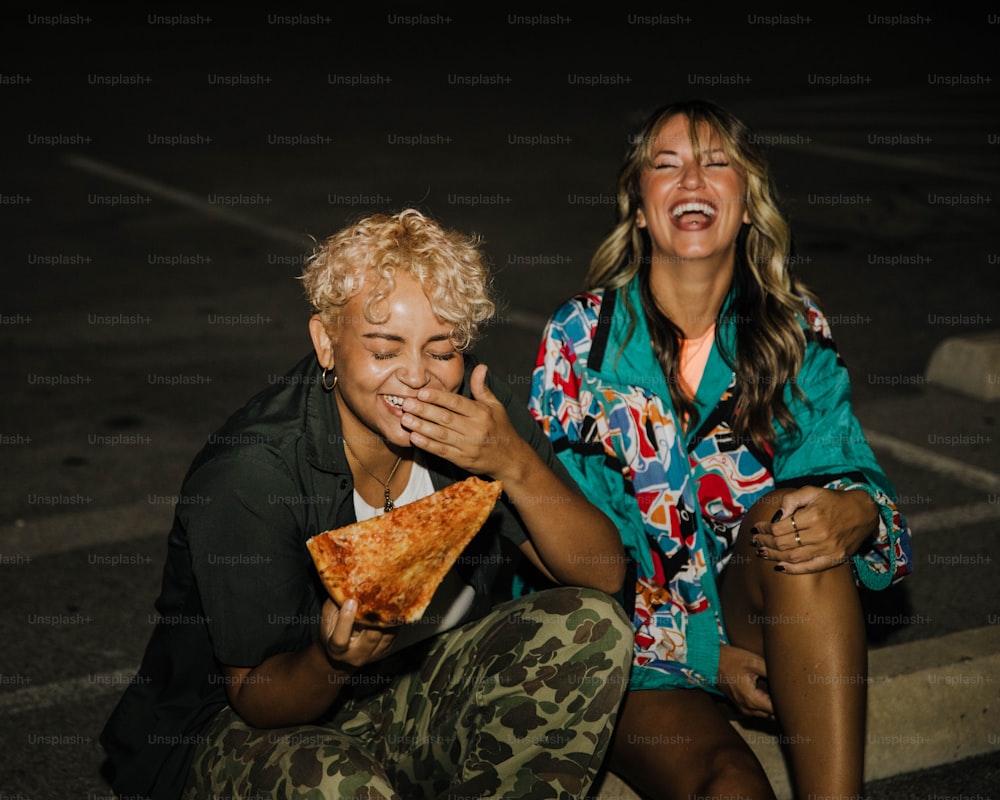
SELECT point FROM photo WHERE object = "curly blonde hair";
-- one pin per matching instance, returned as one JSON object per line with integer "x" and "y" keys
{"x": 449, "y": 266}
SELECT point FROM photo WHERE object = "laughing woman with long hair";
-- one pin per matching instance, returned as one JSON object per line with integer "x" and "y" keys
{"x": 694, "y": 391}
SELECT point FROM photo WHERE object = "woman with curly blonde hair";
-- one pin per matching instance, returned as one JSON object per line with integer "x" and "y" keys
{"x": 694, "y": 392}
{"x": 257, "y": 684}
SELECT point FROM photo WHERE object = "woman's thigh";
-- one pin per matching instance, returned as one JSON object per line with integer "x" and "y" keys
{"x": 534, "y": 684}
{"x": 235, "y": 760}
{"x": 529, "y": 690}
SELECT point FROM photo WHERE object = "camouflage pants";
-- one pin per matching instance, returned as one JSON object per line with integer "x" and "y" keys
{"x": 519, "y": 704}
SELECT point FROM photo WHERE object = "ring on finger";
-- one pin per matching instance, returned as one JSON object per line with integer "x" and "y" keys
{"x": 798, "y": 538}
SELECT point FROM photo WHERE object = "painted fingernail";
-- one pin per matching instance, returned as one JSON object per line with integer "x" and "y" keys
{"x": 776, "y": 517}
{"x": 754, "y": 530}
{"x": 779, "y": 568}
{"x": 762, "y": 552}
{"x": 754, "y": 542}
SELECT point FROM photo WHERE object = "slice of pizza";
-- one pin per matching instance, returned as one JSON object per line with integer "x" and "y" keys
{"x": 393, "y": 563}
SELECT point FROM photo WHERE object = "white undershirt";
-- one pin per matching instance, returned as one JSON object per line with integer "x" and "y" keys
{"x": 419, "y": 485}
{"x": 453, "y": 597}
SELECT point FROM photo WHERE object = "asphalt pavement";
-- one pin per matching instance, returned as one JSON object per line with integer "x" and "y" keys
{"x": 164, "y": 176}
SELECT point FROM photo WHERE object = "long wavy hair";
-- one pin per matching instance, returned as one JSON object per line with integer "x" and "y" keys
{"x": 767, "y": 307}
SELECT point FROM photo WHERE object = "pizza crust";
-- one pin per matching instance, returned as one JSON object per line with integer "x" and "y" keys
{"x": 393, "y": 563}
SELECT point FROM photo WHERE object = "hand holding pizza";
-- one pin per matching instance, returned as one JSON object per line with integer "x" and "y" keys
{"x": 475, "y": 434}
{"x": 349, "y": 645}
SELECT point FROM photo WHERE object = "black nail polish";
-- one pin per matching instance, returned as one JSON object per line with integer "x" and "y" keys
{"x": 776, "y": 517}
{"x": 754, "y": 530}
{"x": 754, "y": 543}
{"x": 779, "y": 568}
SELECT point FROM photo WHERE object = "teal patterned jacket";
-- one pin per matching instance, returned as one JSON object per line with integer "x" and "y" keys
{"x": 678, "y": 498}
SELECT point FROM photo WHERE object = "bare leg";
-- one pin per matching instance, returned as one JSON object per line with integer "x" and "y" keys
{"x": 810, "y": 631}
{"x": 677, "y": 744}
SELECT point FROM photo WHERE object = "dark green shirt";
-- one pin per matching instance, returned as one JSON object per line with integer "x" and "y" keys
{"x": 239, "y": 584}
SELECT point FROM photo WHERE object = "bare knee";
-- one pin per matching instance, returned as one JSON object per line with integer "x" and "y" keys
{"x": 768, "y": 572}
{"x": 734, "y": 772}
{"x": 719, "y": 773}
{"x": 745, "y": 548}
{"x": 764, "y": 509}
{"x": 678, "y": 744}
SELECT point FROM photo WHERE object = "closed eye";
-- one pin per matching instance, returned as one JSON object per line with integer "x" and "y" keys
{"x": 435, "y": 356}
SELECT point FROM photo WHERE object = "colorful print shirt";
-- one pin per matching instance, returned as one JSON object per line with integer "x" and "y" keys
{"x": 678, "y": 497}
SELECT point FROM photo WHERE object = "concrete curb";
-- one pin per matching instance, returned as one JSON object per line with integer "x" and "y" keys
{"x": 930, "y": 702}
{"x": 969, "y": 365}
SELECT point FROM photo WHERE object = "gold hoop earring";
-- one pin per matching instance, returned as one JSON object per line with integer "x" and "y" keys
{"x": 326, "y": 386}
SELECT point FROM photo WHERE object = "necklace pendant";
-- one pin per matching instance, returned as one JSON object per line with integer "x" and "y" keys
{"x": 389, "y": 506}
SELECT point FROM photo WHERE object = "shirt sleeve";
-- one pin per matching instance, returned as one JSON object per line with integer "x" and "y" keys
{"x": 830, "y": 449}
{"x": 555, "y": 402}
{"x": 555, "y": 406}
{"x": 244, "y": 523}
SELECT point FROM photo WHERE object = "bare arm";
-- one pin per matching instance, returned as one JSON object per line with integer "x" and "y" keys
{"x": 296, "y": 688}
{"x": 571, "y": 540}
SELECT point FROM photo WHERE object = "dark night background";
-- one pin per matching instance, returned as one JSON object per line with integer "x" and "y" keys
{"x": 164, "y": 173}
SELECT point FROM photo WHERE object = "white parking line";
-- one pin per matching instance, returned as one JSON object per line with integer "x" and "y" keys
{"x": 524, "y": 320}
{"x": 188, "y": 200}
{"x": 892, "y": 161}
{"x": 945, "y": 519}
{"x": 952, "y": 519}
{"x": 65, "y": 692}
{"x": 63, "y": 533}
{"x": 951, "y": 468}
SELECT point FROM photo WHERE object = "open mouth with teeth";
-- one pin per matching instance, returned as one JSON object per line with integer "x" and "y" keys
{"x": 693, "y": 215}
{"x": 393, "y": 400}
